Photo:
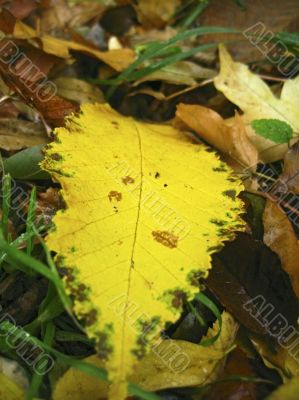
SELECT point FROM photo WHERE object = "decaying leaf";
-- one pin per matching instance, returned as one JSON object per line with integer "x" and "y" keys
{"x": 254, "y": 270}
{"x": 117, "y": 59}
{"x": 59, "y": 14}
{"x": 77, "y": 90}
{"x": 170, "y": 364}
{"x": 237, "y": 364}
{"x": 229, "y": 137}
{"x": 256, "y": 100}
{"x": 255, "y": 16}
{"x": 155, "y": 13}
{"x": 146, "y": 207}
{"x": 16, "y": 134}
{"x": 232, "y": 295}
{"x": 180, "y": 73}
{"x": 196, "y": 365}
{"x": 290, "y": 174}
{"x": 280, "y": 237}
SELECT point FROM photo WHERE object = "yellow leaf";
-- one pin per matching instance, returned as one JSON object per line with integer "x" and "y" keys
{"x": 288, "y": 391}
{"x": 256, "y": 100}
{"x": 171, "y": 363}
{"x": 189, "y": 364}
{"x": 9, "y": 390}
{"x": 146, "y": 207}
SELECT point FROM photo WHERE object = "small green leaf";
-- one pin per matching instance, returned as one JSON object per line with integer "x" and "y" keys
{"x": 273, "y": 129}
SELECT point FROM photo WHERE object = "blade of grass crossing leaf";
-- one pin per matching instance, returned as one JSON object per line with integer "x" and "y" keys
{"x": 197, "y": 10}
{"x": 17, "y": 256}
{"x": 52, "y": 310}
{"x": 38, "y": 375}
{"x": 169, "y": 60}
{"x": 64, "y": 298}
{"x": 89, "y": 369}
{"x": 199, "y": 318}
{"x": 30, "y": 220}
{"x": 63, "y": 336}
{"x": 156, "y": 49}
{"x": 6, "y": 199}
{"x": 20, "y": 240}
{"x": 212, "y": 307}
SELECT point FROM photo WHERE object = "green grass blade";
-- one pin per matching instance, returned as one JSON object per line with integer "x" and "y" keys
{"x": 156, "y": 49}
{"x": 89, "y": 369}
{"x": 6, "y": 199}
{"x": 37, "y": 378}
{"x": 19, "y": 257}
{"x": 197, "y": 10}
{"x": 212, "y": 307}
{"x": 30, "y": 221}
{"x": 169, "y": 60}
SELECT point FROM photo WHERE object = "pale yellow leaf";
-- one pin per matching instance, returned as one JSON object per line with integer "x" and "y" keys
{"x": 255, "y": 98}
{"x": 9, "y": 390}
{"x": 170, "y": 364}
{"x": 146, "y": 207}
{"x": 288, "y": 391}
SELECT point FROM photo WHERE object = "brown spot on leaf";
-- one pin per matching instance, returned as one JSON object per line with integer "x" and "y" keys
{"x": 114, "y": 195}
{"x": 127, "y": 180}
{"x": 67, "y": 274}
{"x": 103, "y": 346}
{"x": 166, "y": 238}
{"x": 90, "y": 318}
{"x": 79, "y": 292}
{"x": 179, "y": 297}
{"x": 56, "y": 157}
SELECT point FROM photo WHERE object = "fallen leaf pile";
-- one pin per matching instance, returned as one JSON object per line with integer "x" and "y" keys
{"x": 149, "y": 212}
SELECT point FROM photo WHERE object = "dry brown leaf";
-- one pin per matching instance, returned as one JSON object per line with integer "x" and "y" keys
{"x": 47, "y": 204}
{"x": 21, "y": 8}
{"x": 180, "y": 73}
{"x": 78, "y": 91}
{"x": 280, "y": 237}
{"x": 290, "y": 174}
{"x": 117, "y": 59}
{"x": 237, "y": 364}
{"x": 16, "y": 134}
{"x": 59, "y": 14}
{"x": 276, "y": 15}
{"x": 155, "y": 13}
{"x": 228, "y": 137}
